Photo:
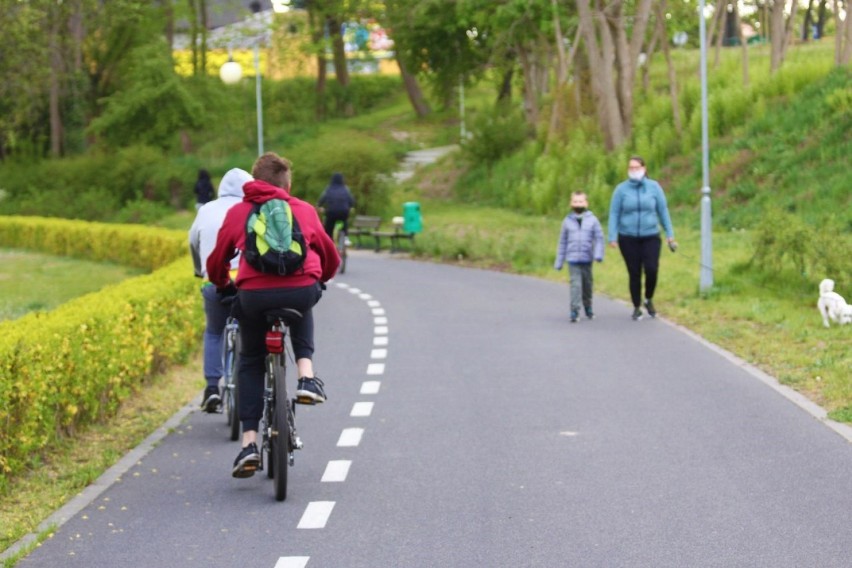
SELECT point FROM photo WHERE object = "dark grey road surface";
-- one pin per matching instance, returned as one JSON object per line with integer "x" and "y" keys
{"x": 501, "y": 435}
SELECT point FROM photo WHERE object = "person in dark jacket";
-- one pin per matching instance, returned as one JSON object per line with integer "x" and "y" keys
{"x": 204, "y": 189}
{"x": 581, "y": 241}
{"x": 337, "y": 202}
{"x": 259, "y": 291}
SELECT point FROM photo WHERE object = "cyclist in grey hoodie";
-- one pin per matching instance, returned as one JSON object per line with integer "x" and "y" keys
{"x": 202, "y": 241}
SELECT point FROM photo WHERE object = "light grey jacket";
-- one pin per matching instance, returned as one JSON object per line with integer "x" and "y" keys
{"x": 205, "y": 228}
{"x": 579, "y": 242}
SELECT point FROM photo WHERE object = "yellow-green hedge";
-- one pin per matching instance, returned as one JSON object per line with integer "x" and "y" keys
{"x": 74, "y": 365}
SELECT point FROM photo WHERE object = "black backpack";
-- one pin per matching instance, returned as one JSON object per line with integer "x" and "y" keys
{"x": 274, "y": 241}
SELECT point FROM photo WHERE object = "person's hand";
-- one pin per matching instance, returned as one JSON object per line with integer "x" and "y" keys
{"x": 598, "y": 260}
{"x": 229, "y": 290}
{"x": 672, "y": 244}
{"x": 613, "y": 244}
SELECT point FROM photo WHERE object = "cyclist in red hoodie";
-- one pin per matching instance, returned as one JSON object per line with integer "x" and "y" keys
{"x": 258, "y": 292}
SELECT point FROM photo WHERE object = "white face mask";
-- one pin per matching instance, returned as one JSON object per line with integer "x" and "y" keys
{"x": 636, "y": 175}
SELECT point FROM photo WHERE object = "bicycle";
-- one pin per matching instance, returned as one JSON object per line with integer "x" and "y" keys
{"x": 278, "y": 423}
{"x": 341, "y": 240}
{"x": 230, "y": 364}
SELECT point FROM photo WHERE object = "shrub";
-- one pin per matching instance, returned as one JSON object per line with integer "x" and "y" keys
{"x": 495, "y": 133}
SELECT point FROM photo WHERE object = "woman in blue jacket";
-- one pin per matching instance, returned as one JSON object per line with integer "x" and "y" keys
{"x": 637, "y": 210}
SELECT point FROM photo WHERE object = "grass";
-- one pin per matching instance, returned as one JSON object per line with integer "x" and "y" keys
{"x": 33, "y": 281}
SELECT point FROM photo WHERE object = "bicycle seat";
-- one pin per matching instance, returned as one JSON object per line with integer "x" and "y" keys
{"x": 288, "y": 315}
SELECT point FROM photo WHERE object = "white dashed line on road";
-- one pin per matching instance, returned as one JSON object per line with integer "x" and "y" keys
{"x": 316, "y": 515}
{"x": 379, "y": 354}
{"x": 380, "y": 341}
{"x": 370, "y": 387}
{"x": 376, "y": 369}
{"x": 336, "y": 471}
{"x": 292, "y": 562}
{"x": 361, "y": 409}
{"x": 350, "y": 437}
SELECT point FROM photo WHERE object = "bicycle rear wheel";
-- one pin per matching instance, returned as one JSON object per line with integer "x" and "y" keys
{"x": 280, "y": 439}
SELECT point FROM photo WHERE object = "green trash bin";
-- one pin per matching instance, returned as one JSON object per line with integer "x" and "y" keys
{"x": 412, "y": 221}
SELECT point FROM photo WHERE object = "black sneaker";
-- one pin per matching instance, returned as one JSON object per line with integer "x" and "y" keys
{"x": 211, "y": 400}
{"x": 649, "y": 305}
{"x": 574, "y": 316}
{"x": 637, "y": 314}
{"x": 310, "y": 391}
{"x": 247, "y": 462}
{"x": 589, "y": 313}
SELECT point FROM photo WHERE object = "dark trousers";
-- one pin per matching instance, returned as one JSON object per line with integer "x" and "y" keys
{"x": 641, "y": 253}
{"x": 253, "y": 305}
{"x": 332, "y": 217}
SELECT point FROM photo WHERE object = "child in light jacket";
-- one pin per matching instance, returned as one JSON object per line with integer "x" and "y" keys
{"x": 581, "y": 242}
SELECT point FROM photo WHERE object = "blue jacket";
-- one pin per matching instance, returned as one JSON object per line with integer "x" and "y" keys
{"x": 637, "y": 209}
{"x": 579, "y": 242}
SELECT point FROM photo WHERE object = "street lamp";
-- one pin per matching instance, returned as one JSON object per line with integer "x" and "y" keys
{"x": 705, "y": 281}
{"x": 231, "y": 73}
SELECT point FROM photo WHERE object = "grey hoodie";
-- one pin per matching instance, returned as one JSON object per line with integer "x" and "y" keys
{"x": 205, "y": 228}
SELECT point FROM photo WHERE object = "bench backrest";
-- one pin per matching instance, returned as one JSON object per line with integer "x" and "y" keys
{"x": 366, "y": 222}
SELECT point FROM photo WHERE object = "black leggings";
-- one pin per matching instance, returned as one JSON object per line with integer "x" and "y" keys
{"x": 252, "y": 305}
{"x": 332, "y": 217}
{"x": 641, "y": 253}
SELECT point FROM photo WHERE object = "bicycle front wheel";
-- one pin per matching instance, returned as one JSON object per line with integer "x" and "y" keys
{"x": 341, "y": 248}
{"x": 231, "y": 394}
{"x": 280, "y": 439}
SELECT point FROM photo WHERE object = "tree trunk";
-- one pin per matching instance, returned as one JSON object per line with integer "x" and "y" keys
{"x": 56, "y": 72}
{"x": 412, "y": 88}
{"x": 557, "y": 109}
{"x": 193, "y": 35}
{"x": 204, "y": 24}
{"x": 743, "y": 45}
{"x": 649, "y": 55}
{"x": 821, "y": 19}
{"x": 505, "y": 92}
{"x": 846, "y": 56}
{"x": 627, "y": 57}
{"x": 719, "y": 24}
{"x": 530, "y": 98}
{"x": 601, "y": 57}
{"x": 776, "y": 35}
{"x": 806, "y": 25}
{"x": 673, "y": 93}
{"x": 341, "y": 67}
{"x": 169, "y": 13}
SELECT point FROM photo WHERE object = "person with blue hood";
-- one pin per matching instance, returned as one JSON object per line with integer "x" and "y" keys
{"x": 202, "y": 241}
{"x": 637, "y": 210}
{"x": 337, "y": 201}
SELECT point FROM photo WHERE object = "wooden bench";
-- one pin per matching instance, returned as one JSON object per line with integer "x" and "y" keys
{"x": 395, "y": 236}
{"x": 364, "y": 226}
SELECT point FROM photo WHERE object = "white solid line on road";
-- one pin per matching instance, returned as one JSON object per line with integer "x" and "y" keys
{"x": 380, "y": 330}
{"x": 292, "y": 562}
{"x": 374, "y": 303}
{"x": 380, "y": 321}
{"x": 336, "y": 471}
{"x": 360, "y": 409}
{"x": 376, "y": 369}
{"x": 316, "y": 515}
{"x": 379, "y": 341}
{"x": 379, "y": 354}
{"x": 370, "y": 387}
{"x": 364, "y": 296}
{"x": 378, "y": 311}
{"x": 350, "y": 437}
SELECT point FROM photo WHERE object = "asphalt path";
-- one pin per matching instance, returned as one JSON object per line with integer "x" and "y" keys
{"x": 470, "y": 424}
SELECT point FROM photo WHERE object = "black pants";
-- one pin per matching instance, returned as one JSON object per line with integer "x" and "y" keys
{"x": 332, "y": 217}
{"x": 641, "y": 253}
{"x": 252, "y": 305}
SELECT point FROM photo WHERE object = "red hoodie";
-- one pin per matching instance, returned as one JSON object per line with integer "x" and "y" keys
{"x": 320, "y": 263}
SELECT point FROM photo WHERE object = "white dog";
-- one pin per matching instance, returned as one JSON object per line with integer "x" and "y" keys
{"x": 831, "y": 305}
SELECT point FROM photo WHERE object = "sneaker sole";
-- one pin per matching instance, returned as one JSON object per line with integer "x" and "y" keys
{"x": 307, "y": 397}
{"x": 211, "y": 405}
{"x": 246, "y": 468}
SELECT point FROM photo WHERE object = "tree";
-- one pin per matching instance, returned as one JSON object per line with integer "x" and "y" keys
{"x": 613, "y": 41}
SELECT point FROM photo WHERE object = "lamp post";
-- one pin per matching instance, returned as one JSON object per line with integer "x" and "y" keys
{"x": 705, "y": 281}
{"x": 231, "y": 73}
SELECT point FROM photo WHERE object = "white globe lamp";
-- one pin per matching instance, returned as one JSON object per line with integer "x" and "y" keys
{"x": 231, "y": 72}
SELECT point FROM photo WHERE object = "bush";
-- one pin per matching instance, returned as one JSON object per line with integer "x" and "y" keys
{"x": 495, "y": 133}
{"x": 73, "y": 366}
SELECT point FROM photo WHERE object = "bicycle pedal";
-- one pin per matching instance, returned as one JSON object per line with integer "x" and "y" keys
{"x": 298, "y": 445}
